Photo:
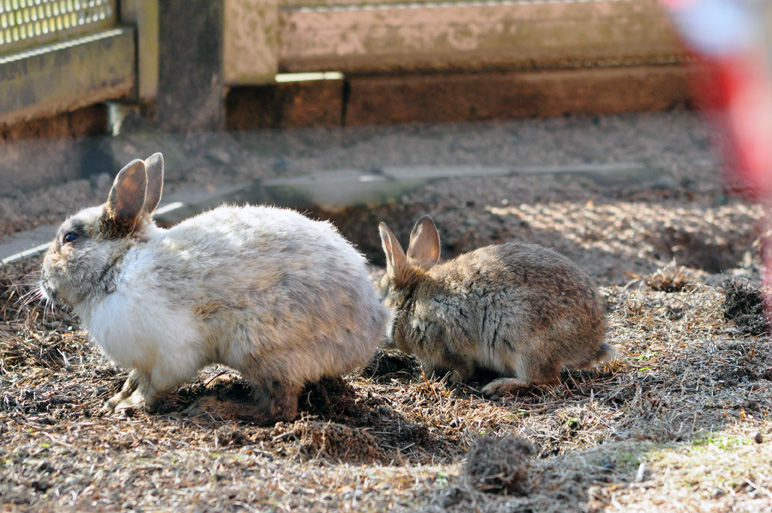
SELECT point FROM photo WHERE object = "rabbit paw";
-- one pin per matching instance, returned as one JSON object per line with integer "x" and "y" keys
{"x": 504, "y": 386}
{"x": 135, "y": 401}
{"x": 136, "y": 393}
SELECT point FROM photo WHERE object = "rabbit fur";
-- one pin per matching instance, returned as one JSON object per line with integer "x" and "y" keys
{"x": 281, "y": 298}
{"x": 519, "y": 310}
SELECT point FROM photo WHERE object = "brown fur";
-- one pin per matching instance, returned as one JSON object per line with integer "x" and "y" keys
{"x": 519, "y": 310}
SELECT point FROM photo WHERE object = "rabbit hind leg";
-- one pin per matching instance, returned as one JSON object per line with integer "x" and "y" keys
{"x": 450, "y": 367}
{"x": 276, "y": 401}
{"x": 276, "y": 381}
{"x": 547, "y": 372}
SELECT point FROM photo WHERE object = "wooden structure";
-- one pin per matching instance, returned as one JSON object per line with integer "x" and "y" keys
{"x": 447, "y": 61}
{"x": 393, "y": 61}
{"x": 264, "y": 37}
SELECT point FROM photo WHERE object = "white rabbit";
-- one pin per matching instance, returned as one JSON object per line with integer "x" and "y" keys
{"x": 281, "y": 298}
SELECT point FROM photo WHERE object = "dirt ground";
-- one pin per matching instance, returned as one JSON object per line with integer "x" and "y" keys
{"x": 680, "y": 422}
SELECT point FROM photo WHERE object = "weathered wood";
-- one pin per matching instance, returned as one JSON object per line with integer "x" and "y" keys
{"x": 286, "y": 105}
{"x": 143, "y": 14}
{"x": 310, "y": 4}
{"x": 66, "y": 76}
{"x": 87, "y": 121}
{"x": 191, "y": 87}
{"x": 504, "y": 95}
{"x": 251, "y": 41}
{"x": 448, "y": 97}
{"x": 453, "y": 36}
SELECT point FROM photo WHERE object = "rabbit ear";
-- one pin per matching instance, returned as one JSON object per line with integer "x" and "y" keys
{"x": 395, "y": 256}
{"x": 154, "y": 166}
{"x": 424, "y": 247}
{"x": 126, "y": 200}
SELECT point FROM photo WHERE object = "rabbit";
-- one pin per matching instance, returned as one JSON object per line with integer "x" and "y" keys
{"x": 519, "y": 310}
{"x": 281, "y": 298}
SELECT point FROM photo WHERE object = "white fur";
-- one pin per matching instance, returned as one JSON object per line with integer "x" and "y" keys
{"x": 139, "y": 327}
{"x": 281, "y": 298}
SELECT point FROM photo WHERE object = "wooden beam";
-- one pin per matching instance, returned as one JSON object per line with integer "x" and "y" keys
{"x": 486, "y": 35}
{"x": 92, "y": 120}
{"x": 310, "y": 103}
{"x": 66, "y": 76}
{"x": 143, "y": 14}
{"x": 447, "y": 97}
{"x": 191, "y": 88}
{"x": 251, "y": 39}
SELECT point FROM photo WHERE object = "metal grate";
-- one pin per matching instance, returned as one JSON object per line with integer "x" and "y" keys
{"x": 29, "y": 23}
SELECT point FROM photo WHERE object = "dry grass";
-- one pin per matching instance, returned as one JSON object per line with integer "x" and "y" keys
{"x": 671, "y": 426}
{"x": 671, "y": 423}
{"x": 671, "y": 278}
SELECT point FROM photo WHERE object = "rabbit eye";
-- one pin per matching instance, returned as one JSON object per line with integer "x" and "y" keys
{"x": 70, "y": 237}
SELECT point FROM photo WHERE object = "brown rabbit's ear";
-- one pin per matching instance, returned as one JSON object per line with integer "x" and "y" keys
{"x": 424, "y": 247}
{"x": 126, "y": 200}
{"x": 395, "y": 256}
{"x": 154, "y": 166}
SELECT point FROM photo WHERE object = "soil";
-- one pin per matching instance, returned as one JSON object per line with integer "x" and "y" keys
{"x": 681, "y": 421}
{"x": 745, "y": 305}
{"x": 499, "y": 464}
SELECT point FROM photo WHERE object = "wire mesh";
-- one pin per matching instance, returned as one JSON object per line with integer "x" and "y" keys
{"x": 28, "y": 23}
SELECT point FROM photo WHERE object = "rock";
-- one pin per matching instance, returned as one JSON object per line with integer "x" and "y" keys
{"x": 219, "y": 156}
{"x": 664, "y": 183}
{"x": 103, "y": 182}
{"x": 454, "y": 496}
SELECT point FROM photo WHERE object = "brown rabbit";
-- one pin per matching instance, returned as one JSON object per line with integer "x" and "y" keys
{"x": 519, "y": 310}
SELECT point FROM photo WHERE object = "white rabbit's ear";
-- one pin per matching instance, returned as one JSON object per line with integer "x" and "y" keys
{"x": 154, "y": 166}
{"x": 395, "y": 256}
{"x": 424, "y": 247}
{"x": 126, "y": 200}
